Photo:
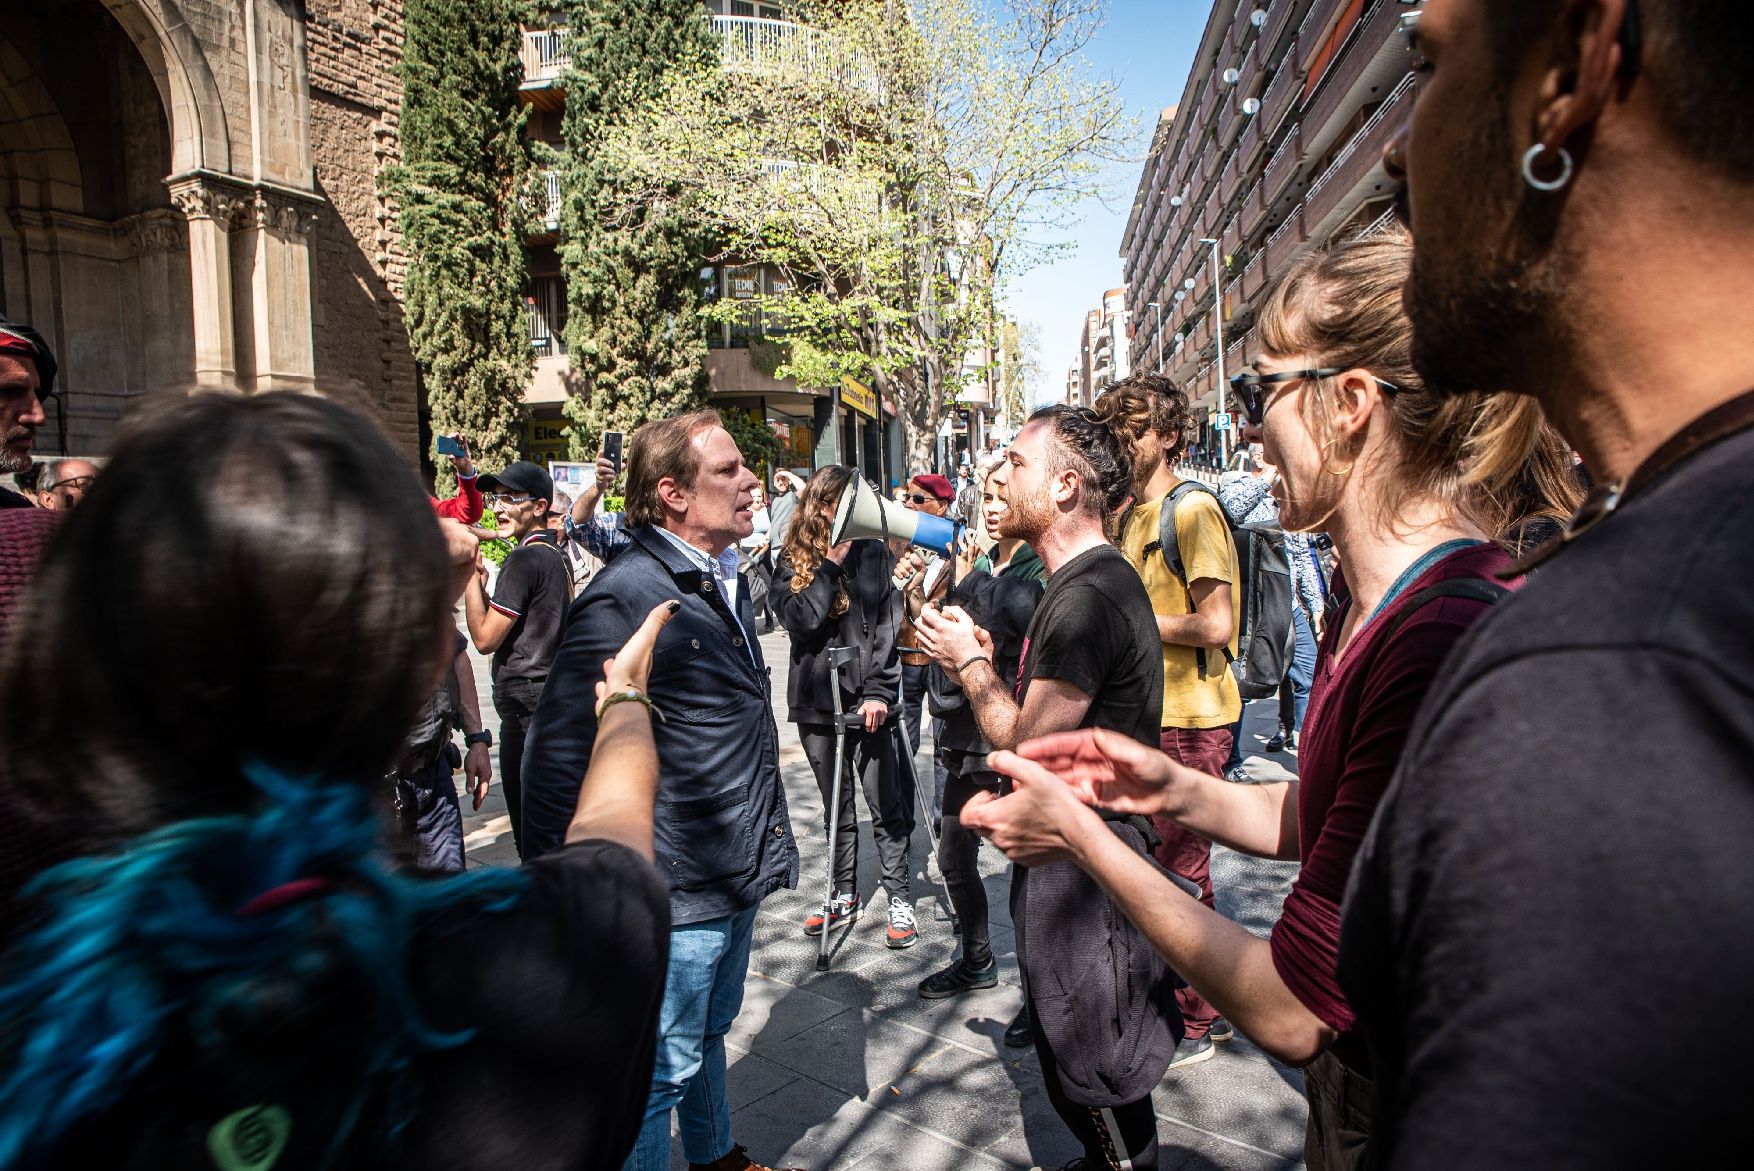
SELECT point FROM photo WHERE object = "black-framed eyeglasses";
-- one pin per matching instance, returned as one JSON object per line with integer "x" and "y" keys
{"x": 1248, "y": 387}
{"x": 77, "y": 483}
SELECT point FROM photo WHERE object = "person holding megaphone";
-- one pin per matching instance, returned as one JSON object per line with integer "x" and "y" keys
{"x": 839, "y": 595}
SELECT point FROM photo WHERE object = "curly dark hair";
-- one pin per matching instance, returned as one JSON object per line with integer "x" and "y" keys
{"x": 1103, "y": 459}
{"x": 1146, "y": 404}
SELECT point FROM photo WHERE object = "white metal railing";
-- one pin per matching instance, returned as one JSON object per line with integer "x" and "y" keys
{"x": 551, "y": 186}
{"x": 1370, "y": 124}
{"x": 546, "y": 305}
{"x": 761, "y": 44}
{"x": 1380, "y": 224}
{"x": 1295, "y": 216}
{"x": 1290, "y": 141}
{"x": 544, "y": 54}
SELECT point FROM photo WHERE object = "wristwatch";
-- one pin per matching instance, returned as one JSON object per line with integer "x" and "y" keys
{"x": 482, "y": 737}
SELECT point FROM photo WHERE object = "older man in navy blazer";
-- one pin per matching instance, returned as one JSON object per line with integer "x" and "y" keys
{"x": 723, "y": 836}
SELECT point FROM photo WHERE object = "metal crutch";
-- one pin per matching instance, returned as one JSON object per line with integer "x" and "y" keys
{"x": 838, "y": 657}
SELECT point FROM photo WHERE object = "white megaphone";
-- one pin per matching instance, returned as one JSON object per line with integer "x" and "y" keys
{"x": 862, "y": 513}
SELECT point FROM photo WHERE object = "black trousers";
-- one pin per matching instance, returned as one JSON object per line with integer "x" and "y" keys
{"x": 959, "y": 860}
{"x": 871, "y": 758}
{"x": 426, "y": 805}
{"x": 515, "y": 701}
{"x": 1103, "y": 1131}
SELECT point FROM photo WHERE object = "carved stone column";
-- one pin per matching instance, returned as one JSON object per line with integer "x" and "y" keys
{"x": 211, "y": 210}
{"x": 275, "y": 245}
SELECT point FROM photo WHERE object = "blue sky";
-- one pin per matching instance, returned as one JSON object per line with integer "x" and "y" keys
{"x": 1146, "y": 46}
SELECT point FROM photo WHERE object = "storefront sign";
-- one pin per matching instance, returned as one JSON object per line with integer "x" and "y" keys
{"x": 858, "y": 396}
{"x": 545, "y": 439}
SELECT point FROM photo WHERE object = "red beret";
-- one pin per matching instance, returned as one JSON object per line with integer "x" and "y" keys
{"x": 936, "y": 485}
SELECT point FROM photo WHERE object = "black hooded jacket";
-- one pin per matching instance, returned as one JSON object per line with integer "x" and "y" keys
{"x": 872, "y": 620}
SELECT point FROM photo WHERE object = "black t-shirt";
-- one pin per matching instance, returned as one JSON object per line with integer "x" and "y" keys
{"x": 1095, "y": 630}
{"x": 11, "y": 499}
{"x": 561, "y": 992}
{"x": 534, "y": 591}
{"x": 1549, "y": 937}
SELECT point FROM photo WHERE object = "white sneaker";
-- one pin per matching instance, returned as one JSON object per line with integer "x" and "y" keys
{"x": 902, "y": 931}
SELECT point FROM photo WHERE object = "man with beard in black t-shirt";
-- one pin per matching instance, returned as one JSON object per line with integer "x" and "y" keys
{"x": 1090, "y": 660}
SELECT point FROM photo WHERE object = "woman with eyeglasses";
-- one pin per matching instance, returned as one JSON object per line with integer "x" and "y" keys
{"x": 1404, "y": 479}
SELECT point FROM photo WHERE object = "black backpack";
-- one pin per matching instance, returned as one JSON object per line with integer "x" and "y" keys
{"x": 1264, "y": 630}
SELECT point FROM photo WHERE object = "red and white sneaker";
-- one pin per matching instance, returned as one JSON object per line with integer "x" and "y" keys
{"x": 844, "y": 909}
{"x": 902, "y": 932}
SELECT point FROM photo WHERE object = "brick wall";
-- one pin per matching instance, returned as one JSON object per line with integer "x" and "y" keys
{"x": 362, "y": 351}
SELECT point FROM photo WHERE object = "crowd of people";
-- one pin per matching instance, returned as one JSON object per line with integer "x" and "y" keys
{"x": 235, "y": 924}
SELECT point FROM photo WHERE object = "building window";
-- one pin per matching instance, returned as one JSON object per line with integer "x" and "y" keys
{"x": 546, "y": 302}
{"x": 744, "y": 284}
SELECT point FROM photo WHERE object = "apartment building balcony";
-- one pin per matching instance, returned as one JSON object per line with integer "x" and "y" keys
{"x": 1356, "y": 172}
{"x": 1282, "y": 167}
{"x": 1278, "y": 16}
{"x": 1228, "y": 177}
{"x": 1253, "y": 280}
{"x": 548, "y": 216}
{"x": 1248, "y": 146}
{"x": 1284, "y": 245}
{"x": 761, "y": 45}
{"x": 1371, "y": 58}
{"x": 546, "y": 59}
{"x": 1282, "y": 91}
{"x": 1252, "y": 211}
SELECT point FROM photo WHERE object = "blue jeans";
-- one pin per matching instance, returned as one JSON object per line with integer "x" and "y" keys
{"x": 703, "y": 992}
{"x": 1301, "y": 674}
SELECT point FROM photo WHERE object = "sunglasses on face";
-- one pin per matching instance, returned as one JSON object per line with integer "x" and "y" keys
{"x": 918, "y": 499}
{"x": 1250, "y": 387}
{"x": 505, "y": 498}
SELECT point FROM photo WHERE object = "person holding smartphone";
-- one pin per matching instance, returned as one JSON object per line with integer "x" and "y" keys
{"x": 466, "y": 506}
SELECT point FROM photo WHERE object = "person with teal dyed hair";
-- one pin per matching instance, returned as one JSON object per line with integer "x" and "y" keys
{"x": 207, "y": 955}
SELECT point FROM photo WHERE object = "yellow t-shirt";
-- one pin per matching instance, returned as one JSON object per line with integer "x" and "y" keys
{"x": 1206, "y": 551}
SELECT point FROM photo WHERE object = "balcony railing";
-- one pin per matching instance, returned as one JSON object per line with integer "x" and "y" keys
{"x": 544, "y": 54}
{"x": 762, "y": 45}
{"x": 1284, "y": 244}
{"x": 1285, "y": 86}
{"x": 551, "y": 188}
{"x": 1386, "y": 110}
{"x": 1375, "y": 29}
{"x": 1282, "y": 166}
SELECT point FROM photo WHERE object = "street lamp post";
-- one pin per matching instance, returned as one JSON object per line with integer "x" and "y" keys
{"x": 1159, "y": 334}
{"x": 1218, "y": 332}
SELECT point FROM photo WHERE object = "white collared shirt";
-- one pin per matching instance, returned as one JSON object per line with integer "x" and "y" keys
{"x": 723, "y": 569}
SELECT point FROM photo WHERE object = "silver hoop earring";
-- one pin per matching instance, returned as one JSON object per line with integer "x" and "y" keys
{"x": 1535, "y": 152}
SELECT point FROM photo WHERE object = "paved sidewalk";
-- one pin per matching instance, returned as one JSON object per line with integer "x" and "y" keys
{"x": 850, "y": 1068}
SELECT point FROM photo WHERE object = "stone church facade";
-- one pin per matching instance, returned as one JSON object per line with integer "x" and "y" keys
{"x": 189, "y": 198}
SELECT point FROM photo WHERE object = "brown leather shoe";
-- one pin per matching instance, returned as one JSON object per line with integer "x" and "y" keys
{"x": 737, "y": 1160}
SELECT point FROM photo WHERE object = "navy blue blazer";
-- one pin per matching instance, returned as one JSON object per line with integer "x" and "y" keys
{"x": 723, "y": 835}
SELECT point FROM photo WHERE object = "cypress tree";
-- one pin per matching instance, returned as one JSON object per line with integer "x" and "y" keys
{"x": 633, "y": 334}
{"x": 463, "y": 208}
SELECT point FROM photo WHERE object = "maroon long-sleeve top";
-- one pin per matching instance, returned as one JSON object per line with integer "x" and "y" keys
{"x": 1361, "y": 709}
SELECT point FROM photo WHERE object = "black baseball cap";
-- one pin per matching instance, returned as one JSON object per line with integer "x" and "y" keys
{"x": 521, "y": 476}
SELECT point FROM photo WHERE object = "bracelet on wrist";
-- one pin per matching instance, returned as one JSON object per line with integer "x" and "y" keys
{"x": 629, "y": 695}
{"x": 963, "y": 666}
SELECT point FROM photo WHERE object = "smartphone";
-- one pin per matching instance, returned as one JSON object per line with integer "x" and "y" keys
{"x": 448, "y": 446}
{"x": 612, "y": 448}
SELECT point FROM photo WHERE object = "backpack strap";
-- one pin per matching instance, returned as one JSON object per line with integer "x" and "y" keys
{"x": 1167, "y": 542}
{"x": 1170, "y": 546}
{"x": 1474, "y": 588}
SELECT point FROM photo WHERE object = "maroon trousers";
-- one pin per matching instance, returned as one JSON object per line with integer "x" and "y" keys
{"x": 1188, "y": 855}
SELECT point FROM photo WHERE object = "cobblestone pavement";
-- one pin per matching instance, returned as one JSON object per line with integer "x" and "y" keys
{"x": 850, "y": 1068}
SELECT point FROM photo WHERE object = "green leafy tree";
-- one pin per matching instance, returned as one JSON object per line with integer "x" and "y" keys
{"x": 633, "y": 332}
{"x": 463, "y": 206}
{"x": 896, "y": 163}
